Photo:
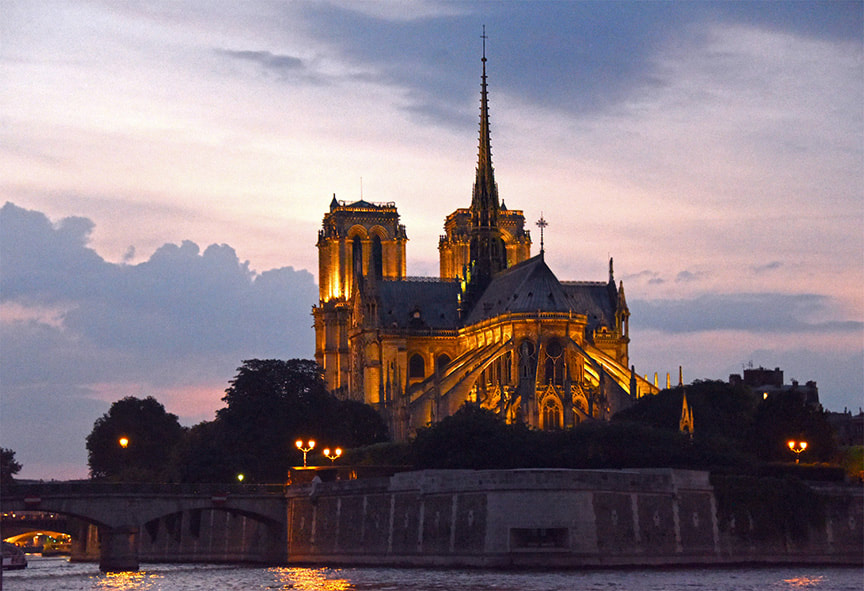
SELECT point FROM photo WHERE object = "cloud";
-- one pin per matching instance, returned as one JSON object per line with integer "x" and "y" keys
{"x": 688, "y": 276}
{"x": 750, "y": 312}
{"x": 772, "y": 266}
{"x": 78, "y": 332}
{"x": 283, "y": 66}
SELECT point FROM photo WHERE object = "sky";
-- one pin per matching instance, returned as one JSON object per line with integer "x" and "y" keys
{"x": 166, "y": 167}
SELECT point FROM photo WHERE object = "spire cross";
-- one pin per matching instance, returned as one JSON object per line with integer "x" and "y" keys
{"x": 541, "y": 223}
{"x": 484, "y": 38}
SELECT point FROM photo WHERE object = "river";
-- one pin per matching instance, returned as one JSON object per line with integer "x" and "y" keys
{"x": 49, "y": 574}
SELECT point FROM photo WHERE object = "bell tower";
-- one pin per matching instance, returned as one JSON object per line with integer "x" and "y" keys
{"x": 358, "y": 241}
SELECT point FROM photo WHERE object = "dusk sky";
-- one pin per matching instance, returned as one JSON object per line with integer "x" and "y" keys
{"x": 166, "y": 167}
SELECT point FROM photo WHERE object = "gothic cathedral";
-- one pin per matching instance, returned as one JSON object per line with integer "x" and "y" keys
{"x": 497, "y": 328}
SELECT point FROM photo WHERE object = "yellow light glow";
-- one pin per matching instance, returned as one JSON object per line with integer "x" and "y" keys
{"x": 123, "y": 441}
{"x": 299, "y": 443}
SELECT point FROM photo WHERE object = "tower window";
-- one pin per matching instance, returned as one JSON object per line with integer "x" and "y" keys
{"x": 357, "y": 256}
{"x": 377, "y": 257}
{"x": 416, "y": 367}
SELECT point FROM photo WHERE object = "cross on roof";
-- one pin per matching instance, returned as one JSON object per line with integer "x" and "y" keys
{"x": 541, "y": 223}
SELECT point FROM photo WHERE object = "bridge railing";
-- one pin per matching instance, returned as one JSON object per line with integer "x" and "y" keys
{"x": 95, "y": 487}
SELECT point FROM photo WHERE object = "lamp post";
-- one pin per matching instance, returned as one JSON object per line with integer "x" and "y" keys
{"x": 797, "y": 447}
{"x": 310, "y": 445}
{"x": 334, "y": 456}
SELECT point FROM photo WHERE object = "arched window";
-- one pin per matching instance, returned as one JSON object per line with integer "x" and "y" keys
{"x": 554, "y": 366}
{"x": 551, "y": 414}
{"x": 416, "y": 367}
{"x": 357, "y": 256}
{"x": 377, "y": 257}
{"x": 526, "y": 354}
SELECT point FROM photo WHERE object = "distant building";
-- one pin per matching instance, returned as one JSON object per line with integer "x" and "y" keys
{"x": 848, "y": 428}
{"x": 497, "y": 328}
{"x": 767, "y": 381}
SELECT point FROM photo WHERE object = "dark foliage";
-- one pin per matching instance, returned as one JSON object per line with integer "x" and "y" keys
{"x": 786, "y": 416}
{"x": 474, "y": 438}
{"x": 471, "y": 438}
{"x": 8, "y": 465}
{"x": 269, "y": 405}
{"x": 152, "y": 434}
{"x": 721, "y": 411}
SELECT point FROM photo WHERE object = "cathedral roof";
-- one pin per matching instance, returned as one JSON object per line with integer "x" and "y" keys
{"x": 597, "y": 300}
{"x": 531, "y": 286}
{"x": 418, "y": 304}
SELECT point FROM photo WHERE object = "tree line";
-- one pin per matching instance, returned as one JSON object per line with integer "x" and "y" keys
{"x": 272, "y": 403}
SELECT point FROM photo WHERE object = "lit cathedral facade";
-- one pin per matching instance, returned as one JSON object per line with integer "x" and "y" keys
{"x": 497, "y": 328}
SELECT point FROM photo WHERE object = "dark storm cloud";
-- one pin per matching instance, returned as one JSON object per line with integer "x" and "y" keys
{"x": 751, "y": 312}
{"x": 572, "y": 56}
{"x": 180, "y": 303}
{"x": 75, "y": 324}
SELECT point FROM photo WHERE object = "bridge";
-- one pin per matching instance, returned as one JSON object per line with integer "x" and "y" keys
{"x": 121, "y": 513}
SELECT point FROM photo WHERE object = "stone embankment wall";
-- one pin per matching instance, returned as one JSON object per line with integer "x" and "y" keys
{"x": 199, "y": 535}
{"x": 556, "y": 518}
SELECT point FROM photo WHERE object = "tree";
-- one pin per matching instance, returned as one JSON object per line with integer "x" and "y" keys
{"x": 472, "y": 438}
{"x": 785, "y": 416}
{"x": 150, "y": 434}
{"x": 720, "y": 410}
{"x": 270, "y": 404}
{"x": 8, "y": 465}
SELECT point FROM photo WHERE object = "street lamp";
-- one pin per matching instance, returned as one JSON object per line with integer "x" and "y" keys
{"x": 336, "y": 453}
{"x": 124, "y": 442}
{"x": 310, "y": 445}
{"x": 240, "y": 477}
{"x": 797, "y": 447}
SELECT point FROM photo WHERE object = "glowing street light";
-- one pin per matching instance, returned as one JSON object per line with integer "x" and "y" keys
{"x": 310, "y": 445}
{"x": 797, "y": 447}
{"x": 240, "y": 477}
{"x": 124, "y": 442}
{"x": 336, "y": 453}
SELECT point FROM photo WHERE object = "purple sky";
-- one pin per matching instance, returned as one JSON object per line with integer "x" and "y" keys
{"x": 166, "y": 168}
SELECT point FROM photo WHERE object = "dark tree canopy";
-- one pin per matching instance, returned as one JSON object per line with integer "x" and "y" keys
{"x": 785, "y": 416}
{"x": 8, "y": 465}
{"x": 475, "y": 438}
{"x": 720, "y": 410}
{"x": 151, "y": 435}
{"x": 270, "y": 404}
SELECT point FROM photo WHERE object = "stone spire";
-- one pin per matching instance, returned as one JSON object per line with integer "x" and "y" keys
{"x": 484, "y": 204}
{"x": 488, "y": 254}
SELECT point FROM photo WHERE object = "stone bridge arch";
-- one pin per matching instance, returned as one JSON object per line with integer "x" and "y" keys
{"x": 114, "y": 516}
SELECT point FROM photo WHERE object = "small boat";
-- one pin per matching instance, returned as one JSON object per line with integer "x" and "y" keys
{"x": 13, "y": 557}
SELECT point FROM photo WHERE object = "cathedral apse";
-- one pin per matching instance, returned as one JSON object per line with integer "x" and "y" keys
{"x": 496, "y": 328}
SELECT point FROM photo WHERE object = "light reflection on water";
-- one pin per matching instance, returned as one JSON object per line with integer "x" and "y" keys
{"x": 47, "y": 574}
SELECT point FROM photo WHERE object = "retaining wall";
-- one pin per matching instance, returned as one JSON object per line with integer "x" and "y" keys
{"x": 557, "y": 518}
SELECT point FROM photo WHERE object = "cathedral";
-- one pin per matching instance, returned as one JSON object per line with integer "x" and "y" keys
{"x": 497, "y": 328}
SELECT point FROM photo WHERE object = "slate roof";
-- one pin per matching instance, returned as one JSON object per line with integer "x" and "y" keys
{"x": 437, "y": 302}
{"x": 531, "y": 286}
